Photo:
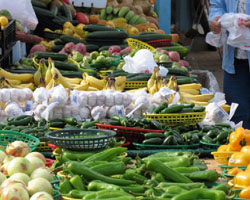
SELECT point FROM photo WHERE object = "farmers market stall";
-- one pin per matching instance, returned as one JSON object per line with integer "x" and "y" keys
{"x": 104, "y": 105}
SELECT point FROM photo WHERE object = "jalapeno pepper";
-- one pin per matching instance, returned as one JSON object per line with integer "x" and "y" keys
{"x": 77, "y": 183}
{"x": 65, "y": 187}
{"x": 99, "y": 185}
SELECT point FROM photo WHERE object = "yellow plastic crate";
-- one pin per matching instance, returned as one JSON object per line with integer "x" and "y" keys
{"x": 43, "y": 147}
{"x": 137, "y": 44}
{"x": 135, "y": 84}
{"x": 222, "y": 157}
{"x": 234, "y": 186}
{"x": 178, "y": 119}
{"x": 68, "y": 198}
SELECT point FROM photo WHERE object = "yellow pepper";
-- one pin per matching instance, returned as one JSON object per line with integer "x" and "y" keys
{"x": 245, "y": 149}
{"x": 234, "y": 147}
{"x": 245, "y": 193}
{"x": 237, "y": 136}
{"x": 242, "y": 179}
{"x": 247, "y": 137}
{"x": 222, "y": 148}
{"x": 239, "y": 159}
{"x": 234, "y": 171}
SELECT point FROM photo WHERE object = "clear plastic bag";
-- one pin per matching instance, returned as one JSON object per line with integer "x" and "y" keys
{"x": 21, "y": 10}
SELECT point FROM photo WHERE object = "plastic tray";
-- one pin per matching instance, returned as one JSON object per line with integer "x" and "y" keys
{"x": 131, "y": 134}
{"x": 135, "y": 84}
{"x": 113, "y": 62}
{"x": 225, "y": 167}
{"x": 43, "y": 147}
{"x": 222, "y": 157}
{"x": 178, "y": 119}
{"x": 81, "y": 139}
{"x": 160, "y": 43}
{"x": 137, "y": 44}
{"x": 209, "y": 145}
{"x": 7, "y": 137}
{"x": 230, "y": 183}
{"x": 150, "y": 146}
{"x": 224, "y": 172}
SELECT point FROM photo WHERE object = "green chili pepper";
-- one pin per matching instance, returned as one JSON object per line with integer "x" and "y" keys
{"x": 65, "y": 187}
{"x": 99, "y": 185}
{"x": 77, "y": 183}
{"x": 207, "y": 175}
{"x": 79, "y": 194}
{"x": 70, "y": 120}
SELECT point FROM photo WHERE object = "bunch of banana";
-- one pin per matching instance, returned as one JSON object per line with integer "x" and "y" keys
{"x": 152, "y": 79}
{"x": 94, "y": 82}
{"x": 7, "y": 83}
{"x": 24, "y": 78}
{"x": 39, "y": 76}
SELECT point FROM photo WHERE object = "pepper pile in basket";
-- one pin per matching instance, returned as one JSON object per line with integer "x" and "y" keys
{"x": 164, "y": 108}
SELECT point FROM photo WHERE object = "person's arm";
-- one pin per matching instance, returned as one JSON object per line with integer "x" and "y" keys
{"x": 247, "y": 23}
{"x": 216, "y": 10}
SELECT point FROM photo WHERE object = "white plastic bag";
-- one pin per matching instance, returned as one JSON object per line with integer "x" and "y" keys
{"x": 216, "y": 40}
{"x": 21, "y": 10}
{"x": 239, "y": 34}
{"x": 142, "y": 62}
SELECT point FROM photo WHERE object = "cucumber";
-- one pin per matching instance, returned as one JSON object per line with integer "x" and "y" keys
{"x": 173, "y": 71}
{"x": 188, "y": 105}
{"x": 38, "y": 4}
{"x": 148, "y": 37}
{"x": 142, "y": 77}
{"x": 68, "y": 38}
{"x": 66, "y": 12}
{"x": 65, "y": 65}
{"x": 153, "y": 135}
{"x": 92, "y": 47}
{"x": 53, "y": 56}
{"x": 43, "y": 12}
{"x": 173, "y": 109}
{"x": 161, "y": 107}
{"x": 187, "y": 80}
{"x": 153, "y": 141}
{"x": 107, "y": 35}
{"x": 186, "y": 110}
{"x": 97, "y": 27}
{"x": 199, "y": 109}
{"x": 57, "y": 48}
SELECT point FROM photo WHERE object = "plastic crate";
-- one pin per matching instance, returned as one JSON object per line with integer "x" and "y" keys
{"x": 131, "y": 134}
{"x": 151, "y": 146}
{"x": 135, "y": 84}
{"x": 209, "y": 145}
{"x": 7, "y": 38}
{"x": 137, "y": 44}
{"x": 160, "y": 43}
{"x": 222, "y": 157}
{"x": 178, "y": 119}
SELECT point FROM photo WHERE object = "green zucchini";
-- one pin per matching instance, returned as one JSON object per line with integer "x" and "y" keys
{"x": 183, "y": 51}
{"x": 180, "y": 72}
{"x": 65, "y": 66}
{"x": 59, "y": 42}
{"x": 188, "y": 105}
{"x": 38, "y": 4}
{"x": 66, "y": 11}
{"x": 173, "y": 109}
{"x": 148, "y": 37}
{"x": 186, "y": 110}
{"x": 92, "y": 47}
{"x": 185, "y": 81}
{"x": 57, "y": 48}
{"x": 153, "y": 141}
{"x": 153, "y": 135}
{"x": 97, "y": 27}
{"x": 141, "y": 77}
{"x": 53, "y": 56}
{"x": 43, "y": 12}
{"x": 107, "y": 35}
{"x": 161, "y": 107}
{"x": 68, "y": 38}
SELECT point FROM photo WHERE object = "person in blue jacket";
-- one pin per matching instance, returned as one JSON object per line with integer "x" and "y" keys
{"x": 236, "y": 62}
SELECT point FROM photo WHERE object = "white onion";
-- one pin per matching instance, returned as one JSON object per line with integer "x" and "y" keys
{"x": 20, "y": 177}
{"x": 2, "y": 178}
{"x": 39, "y": 185}
{"x": 41, "y": 196}
{"x": 35, "y": 162}
{"x": 42, "y": 173}
{"x": 36, "y": 154}
{"x": 18, "y": 149}
{"x": 2, "y": 156}
{"x": 14, "y": 192}
{"x": 19, "y": 165}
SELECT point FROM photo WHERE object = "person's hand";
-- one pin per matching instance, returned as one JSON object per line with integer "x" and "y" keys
{"x": 247, "y": 23}
{"x": 215, "y": 26}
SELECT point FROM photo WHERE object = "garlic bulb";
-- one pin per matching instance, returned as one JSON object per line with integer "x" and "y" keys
{"x": 100, "y": 98}
{"x": 129, "y": 109}
{"x": 13, "y": 110}
{"x": 92, "y": 98}
{"x": 39, "y": 110}
{"x": 1, "y": 98}
{"x": 67, "y": 111}
{"x": 59, "y": 94}
{"x": 84, "y": 113}
{"x": 28, "y": 92}
{"x": 5, "y": 95}
{"x": 98, "y": 113}
{"x": 83, "y": 98}
{"x": 109, "y": 100}
{"x": 144, "y": 101}
{"x": 75, "y": 110}
{"x": 118, "y": 98}
{"x": 127, "y": 99}
{"x": 115, "y": 110}
{"x": 40, "y": 95}
{"x": 22, "y": 96}
{"x": 58, "y": 115}
{"x": 14, "y": 94}
{"x": 138, "y": 113}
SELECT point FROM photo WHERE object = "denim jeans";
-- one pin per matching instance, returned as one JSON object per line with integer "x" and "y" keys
{"x": 237, "y": 90}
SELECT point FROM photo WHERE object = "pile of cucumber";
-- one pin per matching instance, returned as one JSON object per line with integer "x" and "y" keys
{"x": 164, "y": 108}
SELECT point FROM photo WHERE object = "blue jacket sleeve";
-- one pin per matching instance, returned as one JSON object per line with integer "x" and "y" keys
{"x": 217, "y": 8}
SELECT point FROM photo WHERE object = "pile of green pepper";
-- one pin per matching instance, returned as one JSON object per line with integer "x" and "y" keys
{"x": 179, "y": 135}
{"x": 217, "y": 134}
{"x": 161, "y": 176}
